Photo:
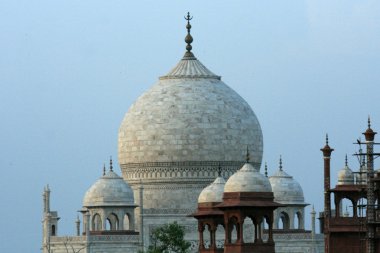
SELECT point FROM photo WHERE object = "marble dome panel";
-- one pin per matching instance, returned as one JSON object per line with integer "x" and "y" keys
{"x": 109, "y": 190}
{"x": 213, "y": 192}
{"x": 286, "y": 189}
{"x": 189, "y": 119}
{"x": 247, "y": 179}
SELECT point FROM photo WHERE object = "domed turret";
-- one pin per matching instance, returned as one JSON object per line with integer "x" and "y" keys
{"x": 287, "y": 191}
{"x": 285, "y": 188}
{"x": 214, "y": 192}
{"x": 110, "y": 199}
{"x": 109, "y": 190}
{"x": 345, "y": 175}
{"x": 248, "y": 179}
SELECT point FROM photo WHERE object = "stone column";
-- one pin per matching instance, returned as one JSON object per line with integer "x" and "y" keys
{"x": 77, "y": 224}
{"x": 201, "y": 228}
{"x": 87, "y": 215}
{"x": 132, "y": 221}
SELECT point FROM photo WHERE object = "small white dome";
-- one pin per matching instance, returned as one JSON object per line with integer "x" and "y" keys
{"x": 213, "y": 192}
{"x": 345, "y": 176}
{"x": 286, "y": 189}
{"x": 109, "y": 190}
{"x": 247, "y": 179}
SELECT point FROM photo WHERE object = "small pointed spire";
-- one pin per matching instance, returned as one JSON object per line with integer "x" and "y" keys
{"x": 111, "y": 168}
{"x": 369, "y": 121}
{"x": 188, "y": 38}
{"x": 280, "y": 163}
{"x": 346, "y": 162}
{"x": 266, "y": 169}
{"x": 219, "y": 170}
{"x": 247, "y": 157}
{"x": 104, "y": 169}
{"x": 327, "y": 139}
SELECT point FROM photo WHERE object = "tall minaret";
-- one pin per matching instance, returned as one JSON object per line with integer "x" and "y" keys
{"x": 46, "y": 220}
{"x": 49, "y": 221}
{"x": 326, "y": 150}
{"x": 370, "y": 137}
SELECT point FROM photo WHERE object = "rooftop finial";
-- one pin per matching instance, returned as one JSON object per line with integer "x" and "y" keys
{"x": 266, "y": 169}
{"x": 346, "y": 163}
{"x": 280, "y": 163}
{"x": 219, "y": 170}
{"x": 327, "y": 139}
{"x": 369, "y": 121}
{"x": 111, "y": 168}
{"x": 247, "y": 155}
{"x": 188, "y": 38}
{"x": 104, "y": 169}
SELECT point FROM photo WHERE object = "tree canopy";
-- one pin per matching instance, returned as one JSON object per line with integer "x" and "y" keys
{"x": 168, "y": 238}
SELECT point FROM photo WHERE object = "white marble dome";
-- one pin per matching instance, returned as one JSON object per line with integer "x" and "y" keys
{"x": 213, "y": 192}
{"x": 247, "y": 179}
{"x": 286, "y": 189}
{"x": 345, "y": 176}
{"x": 109, "y": 190}
{"x": 189, "y": 115}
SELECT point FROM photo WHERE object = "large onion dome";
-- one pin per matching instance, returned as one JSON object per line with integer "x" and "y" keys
{"x": 286, "y": 189}
{"x": 189, "y": 115}
{"x": 213, "y": 192}
{"x": 345, "y": 175}
{"x": 248, "y": 179}
{"x": 109, "y": 190}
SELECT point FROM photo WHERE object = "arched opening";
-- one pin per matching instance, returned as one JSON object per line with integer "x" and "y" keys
{"x": 53, "y": 230}
{"x": 233, "y": 230}
{"x": 127, "y": 222}
{"x": 220, "y": 236}
{"x": 96, "y": 223}
{"x": 112, "y": 222}
{"x": 283, "y": 222}
{"x": 346, "y": 208}
{"x": 362, "y": 207}
{"x": 248, "y": 230}
{"x": 298, "y": 220}
{"x": 207, "y": 236}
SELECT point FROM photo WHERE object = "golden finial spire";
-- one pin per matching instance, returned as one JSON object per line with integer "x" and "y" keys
{"x": 280, "y": 163}
{"x": 346, "y": 162}
{"x": 104, "y": 169}
{"x": 247, "y": 157}
{"x": 111, "y": 168}
{"x": 188, "y": 38}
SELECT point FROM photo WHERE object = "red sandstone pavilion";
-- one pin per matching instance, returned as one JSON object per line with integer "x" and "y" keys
{"x": 355, "y": 230}
{"x": 246, "y": 194}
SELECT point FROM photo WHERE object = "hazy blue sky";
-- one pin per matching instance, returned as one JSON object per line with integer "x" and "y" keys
{"x": 69, "y": 70}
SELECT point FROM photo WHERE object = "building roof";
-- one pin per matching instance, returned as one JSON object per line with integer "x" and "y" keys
{"x": 248, "y": 179}
{"x": 213, "y": 192}
{"x": 286, "y": 189}
{"x": 109, "y": 190}
{"x": 189, "y": 115}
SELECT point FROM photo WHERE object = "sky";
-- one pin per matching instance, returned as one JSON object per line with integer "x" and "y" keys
{"x": 69, "y": 71}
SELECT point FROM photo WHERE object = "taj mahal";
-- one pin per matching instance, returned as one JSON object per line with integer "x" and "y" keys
{"x": 186, "y": 141}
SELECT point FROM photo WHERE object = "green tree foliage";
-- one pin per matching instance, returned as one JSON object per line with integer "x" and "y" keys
{"x": 168, "y": 238}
